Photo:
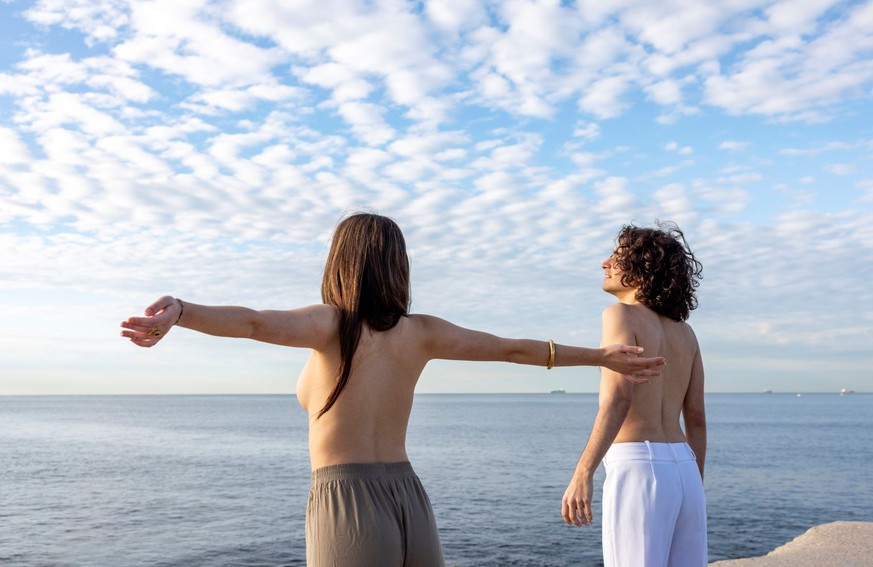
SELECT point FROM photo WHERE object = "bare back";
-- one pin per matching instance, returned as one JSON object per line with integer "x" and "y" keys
{"x": 368, "y": 422}
{"x": 656, "y": 407}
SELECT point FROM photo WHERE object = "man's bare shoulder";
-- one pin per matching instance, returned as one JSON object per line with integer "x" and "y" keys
{"x": 617, "y": 313}
{"x": 687, "y": 331}
{"x": 622, "y": 314}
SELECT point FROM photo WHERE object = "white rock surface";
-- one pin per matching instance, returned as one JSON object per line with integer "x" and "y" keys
{"x": 838, "y": 544}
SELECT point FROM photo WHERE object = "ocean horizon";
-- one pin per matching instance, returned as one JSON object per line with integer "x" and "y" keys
{"x": 222, "y": 479}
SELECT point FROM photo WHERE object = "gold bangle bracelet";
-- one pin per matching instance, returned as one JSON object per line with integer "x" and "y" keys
{"x": 551, "y": 355}
{"x": 181, "y": 311}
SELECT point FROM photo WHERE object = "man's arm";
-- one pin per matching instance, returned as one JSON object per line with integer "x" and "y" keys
{"x": 616, "y": 395}
{"x": 694, "y": 413}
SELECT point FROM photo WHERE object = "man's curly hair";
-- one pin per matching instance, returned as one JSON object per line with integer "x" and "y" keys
{"x": 659, "y": 263}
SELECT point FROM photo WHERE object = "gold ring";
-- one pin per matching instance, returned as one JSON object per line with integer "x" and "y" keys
{"x": 154, "y": 332}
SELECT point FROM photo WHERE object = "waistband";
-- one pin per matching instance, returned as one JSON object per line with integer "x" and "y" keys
{"x": 647, "y": 451}
{"x": 362, "y": 471}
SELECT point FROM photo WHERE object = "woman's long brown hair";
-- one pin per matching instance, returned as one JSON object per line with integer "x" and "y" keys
{"x": 366, "y": 277}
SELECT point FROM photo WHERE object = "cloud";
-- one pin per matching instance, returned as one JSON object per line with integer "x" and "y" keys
{"x": 788, "y": 78}
{"x": 665, "y": 92}
{"x": 12, "y": 149}
{"x": 615, "y": 197}
{"x": 733, "y": 145}
{"x": 866, "y": 185}
{"x": 456, "y": 15}
{"x": 720, "y": 202}
{"x": 367, "y": 122}
{"x": 674, "y": 204}
{"x": 587, "y": 131}
{"x": 604, "y": 98}
{"x": 356, "y": 51}
{"x": 213, "y": 102}
{"x": 214, "y": 147}
{"x": 536, "y": 34}
{"x": 675, "y": 147}
{"x": 742, "y": 178}
{"x": 670, "y": 27}
{"x": 829, "y": 147}
{"x": 99, "y": 21}
{"x": 192, "y": 46}
{"x": 841, "y": 169}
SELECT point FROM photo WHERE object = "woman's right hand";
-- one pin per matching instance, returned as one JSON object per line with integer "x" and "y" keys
{"x": 625, "y": 360}
{"x": 159, "y": 318}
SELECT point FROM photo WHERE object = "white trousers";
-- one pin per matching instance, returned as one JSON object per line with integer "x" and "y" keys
{"x": 654, "y": 510}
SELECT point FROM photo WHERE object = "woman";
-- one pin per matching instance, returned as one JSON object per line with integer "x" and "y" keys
{"x": 366, "y": 505}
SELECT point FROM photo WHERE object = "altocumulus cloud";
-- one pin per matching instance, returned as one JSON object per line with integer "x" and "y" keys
{"x": 207, "y": 149}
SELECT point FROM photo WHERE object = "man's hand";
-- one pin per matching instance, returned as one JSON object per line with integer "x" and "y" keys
{"x": 576, "y": 504}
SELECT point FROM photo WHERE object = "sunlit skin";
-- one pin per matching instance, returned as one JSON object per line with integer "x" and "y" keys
{"x": 368, "y": 423}
{"x": 640, "y": 412}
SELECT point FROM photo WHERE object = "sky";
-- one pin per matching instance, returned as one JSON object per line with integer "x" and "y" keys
{"x": 206, "y": 150}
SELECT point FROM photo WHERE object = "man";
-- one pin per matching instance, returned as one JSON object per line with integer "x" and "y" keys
{"x": 654, "y": 512}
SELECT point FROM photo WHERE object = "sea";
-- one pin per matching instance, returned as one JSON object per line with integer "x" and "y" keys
{"x": 222, "y": 480}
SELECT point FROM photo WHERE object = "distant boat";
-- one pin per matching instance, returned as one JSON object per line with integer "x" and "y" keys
{"x": 846, "y": 392}
{"x": 767, "y": 392}
{"x": 798, "y": 395}
{"x": 558, "y": 391}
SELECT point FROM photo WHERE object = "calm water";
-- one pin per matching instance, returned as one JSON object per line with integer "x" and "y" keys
{"x": 222, "y": 480}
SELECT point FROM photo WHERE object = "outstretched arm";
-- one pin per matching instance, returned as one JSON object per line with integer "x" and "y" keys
{"x": 616, "y": 396}
{"x": 309, "y": 327}
{"x": 447, "y": 341}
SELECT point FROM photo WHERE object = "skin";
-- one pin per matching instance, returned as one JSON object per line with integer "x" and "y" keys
{"x": 640, "y": 412}
{"x": 369, "y": 420}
